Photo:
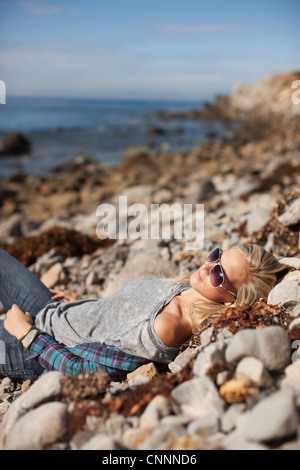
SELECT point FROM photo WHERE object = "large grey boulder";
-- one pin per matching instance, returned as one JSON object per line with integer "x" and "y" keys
{"x": 46, "y": 388}
{"x": 39, "y": 428}
{"x": 273, "y": 418}
{"x": 271, "y": 345}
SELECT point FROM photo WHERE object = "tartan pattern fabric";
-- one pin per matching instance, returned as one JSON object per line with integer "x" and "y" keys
{"x": 87, "y": 357}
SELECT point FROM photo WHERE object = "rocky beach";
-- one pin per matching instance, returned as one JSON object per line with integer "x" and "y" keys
{"x": 236, "y": 385}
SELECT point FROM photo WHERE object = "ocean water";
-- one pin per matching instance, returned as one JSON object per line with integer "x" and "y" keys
{"x": 61, "y": 128}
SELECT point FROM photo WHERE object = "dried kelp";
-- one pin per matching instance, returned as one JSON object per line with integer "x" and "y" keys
{"x": 236, "y": 318}
{"x": 65, "y": 242}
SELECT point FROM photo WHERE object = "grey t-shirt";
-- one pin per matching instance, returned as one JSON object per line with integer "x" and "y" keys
{"x": 124, "y": 319}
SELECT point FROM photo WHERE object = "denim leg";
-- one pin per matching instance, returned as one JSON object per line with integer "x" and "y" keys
{"x": 19, "y": 286}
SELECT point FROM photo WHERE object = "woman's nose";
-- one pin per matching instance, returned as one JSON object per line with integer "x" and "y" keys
{"x": 207, "y": 267}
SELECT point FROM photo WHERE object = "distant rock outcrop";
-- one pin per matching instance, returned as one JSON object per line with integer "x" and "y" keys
{"x": 14, "y": 143}
{"x": 273, "y": 93}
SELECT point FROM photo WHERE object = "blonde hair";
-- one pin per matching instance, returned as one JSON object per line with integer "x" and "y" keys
{"x": 263, "y": 272}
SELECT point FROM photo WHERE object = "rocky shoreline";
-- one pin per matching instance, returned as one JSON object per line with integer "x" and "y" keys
{"x": 235, "y": 386}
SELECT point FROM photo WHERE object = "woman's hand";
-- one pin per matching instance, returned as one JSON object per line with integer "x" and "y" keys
{"x": 17, "y": 322}
{"x": 60, "y": 295}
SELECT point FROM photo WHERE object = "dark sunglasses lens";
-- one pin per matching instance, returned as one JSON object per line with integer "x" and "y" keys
{"x": 216, "y": 276}
{"x": 214, "y": 256}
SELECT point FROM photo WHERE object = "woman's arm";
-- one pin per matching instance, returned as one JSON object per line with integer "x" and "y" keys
{"x": 17, "y": 322}
{"x": 87, "y": 357}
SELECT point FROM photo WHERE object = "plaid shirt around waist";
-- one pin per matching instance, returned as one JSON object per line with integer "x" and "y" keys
{"x": 86, "y": 357}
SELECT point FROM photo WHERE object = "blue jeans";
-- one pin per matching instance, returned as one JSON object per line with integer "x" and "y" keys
{"x": 19, "y": 286}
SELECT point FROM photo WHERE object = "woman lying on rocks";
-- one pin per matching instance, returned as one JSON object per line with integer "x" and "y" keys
{"x": 146, "y": 320}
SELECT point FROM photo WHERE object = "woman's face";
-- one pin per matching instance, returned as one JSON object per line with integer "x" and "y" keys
{"x": 234, "y": 267}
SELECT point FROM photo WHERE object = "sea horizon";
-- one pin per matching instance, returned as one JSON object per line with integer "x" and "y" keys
{"x": 61, "y": 128}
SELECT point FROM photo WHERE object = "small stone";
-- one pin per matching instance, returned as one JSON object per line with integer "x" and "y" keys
{"x": 257, "y": 219}
{"x": 99, "y": 442}
{"x": 186, "y": 443}
{"x": 3, "y": 409}
{"x": 54, "y": 275}
{"x": 286, "y": 293}
{"x": 292, "y": 377}
{"x": 228, "y": 420}
{"x": 291, "y": 216}
{"x": 147, "y": 370}
{"x": 91, "y": 278}
{"x": 292, "y": 276}
{"x": 296, "y": 311}
{"x": 294, "y": 262}
{"x": 255, "y": 370}
{"x": 235, "y": 441}
{"x": 205, "y": 336}
{"x": 201, "y": 191}
{"x": 211, "y": 360}
{"x": 204, "y": 426}
{"x": 11, "y": 227}
{"x": 116, "y": 425}
{"x": 223, "y": 377}
{"x": 183, "y": 359}
{"x": 198, "y": 397}
{"x": 162, "y": 196}
{"x": 238, "y": 390}
{"x": 25, "y": 386}
{"x": 138, "y": 380}
{"x": 161, "y": 437}
{"x": 80, "y": 438}
{"x": 6, "y": 385}
{"x": 133, "y": 152}
{"x": 224, "y": 334}
{"x": 133, "y": 438}
{"x": 175, "y": 420}
{"x": 294, "y": 330}
{"x": 155, "y": 410}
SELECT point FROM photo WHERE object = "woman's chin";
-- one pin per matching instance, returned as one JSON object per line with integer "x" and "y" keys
{"x": 194, "y": 280}
{"x": 197, "y": 284}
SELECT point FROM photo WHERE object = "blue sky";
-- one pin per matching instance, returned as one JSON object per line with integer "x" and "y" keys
{"x": 144, "y": 49}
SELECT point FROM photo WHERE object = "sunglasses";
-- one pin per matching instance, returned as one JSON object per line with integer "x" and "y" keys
{"x": 216, "y": 274}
